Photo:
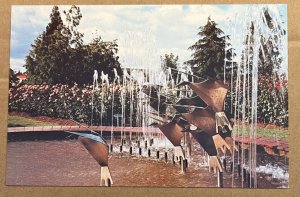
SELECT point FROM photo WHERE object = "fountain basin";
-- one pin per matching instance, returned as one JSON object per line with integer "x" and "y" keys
{"x": 40, "y": 160}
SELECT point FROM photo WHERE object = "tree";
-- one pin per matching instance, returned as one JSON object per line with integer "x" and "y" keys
{"x": 48, "y": 58}
{"x": 101, "y": 56}
{"x": 274, "y": 91}
{"x": 269, "y": 54}
{"x": 59, "y": 55}
{"x": 264, "y": 40}
{"x": 170, "y": 61}
{"x": 210, "y": 51}
{"x": 73, "y": 17}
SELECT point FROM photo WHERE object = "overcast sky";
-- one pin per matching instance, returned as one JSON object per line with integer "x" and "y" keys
{"x": 143, "y": 32}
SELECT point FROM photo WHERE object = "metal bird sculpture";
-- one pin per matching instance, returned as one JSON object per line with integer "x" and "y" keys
{"x": 98, "y": 148}
{"x": 202, "y": 115}
{"x": 212, "y": 92}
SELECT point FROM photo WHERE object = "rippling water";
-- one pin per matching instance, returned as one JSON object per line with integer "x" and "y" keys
{"x": 67, "y": 163}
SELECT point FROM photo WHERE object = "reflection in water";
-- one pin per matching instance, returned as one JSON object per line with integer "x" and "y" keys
{"x": 67, "y": 163}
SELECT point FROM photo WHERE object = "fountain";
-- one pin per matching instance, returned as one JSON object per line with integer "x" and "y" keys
{"x": 204, "y": 123}
{"x": 203, "y": 116}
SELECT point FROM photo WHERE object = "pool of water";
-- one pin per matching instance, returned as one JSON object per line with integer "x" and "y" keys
{"x": 66, "y": 163}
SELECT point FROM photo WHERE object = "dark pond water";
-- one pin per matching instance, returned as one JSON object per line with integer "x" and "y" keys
{"x": 67, "y": 163}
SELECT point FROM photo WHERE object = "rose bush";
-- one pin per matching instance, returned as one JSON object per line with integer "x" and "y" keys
{"x": 272, "y": 101}
{"x": 70, "y": 102}
{"x": 74, "y": 102}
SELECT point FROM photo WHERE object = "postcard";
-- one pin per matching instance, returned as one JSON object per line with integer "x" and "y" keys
{"x": 148, "y": 96}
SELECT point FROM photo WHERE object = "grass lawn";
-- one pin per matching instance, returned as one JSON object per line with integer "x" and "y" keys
{"x": 18, "y": 121}
{"x": 275, "y": 133}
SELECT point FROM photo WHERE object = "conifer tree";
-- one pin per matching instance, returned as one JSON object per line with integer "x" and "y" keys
{"x": 210, "y": 51}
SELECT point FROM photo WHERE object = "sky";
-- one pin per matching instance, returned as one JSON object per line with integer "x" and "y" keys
{"x": 143, "y": 32}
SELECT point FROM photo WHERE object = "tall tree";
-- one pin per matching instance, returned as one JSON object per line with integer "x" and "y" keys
{"x": 59, "y": 55}
{"x": 210, "y": 51}
{"x": 269, "y": 56}
{"x": 48, "y": 58}
{"x": 101, "y": 56}
{"x": 56, "y": 23}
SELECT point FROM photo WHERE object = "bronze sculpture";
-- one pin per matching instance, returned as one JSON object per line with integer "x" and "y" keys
{"x": 207, "y": 121}
{"x": 98, "y": 148}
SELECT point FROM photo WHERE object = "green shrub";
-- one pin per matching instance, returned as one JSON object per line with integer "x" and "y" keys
{"x": 70, "y": 102}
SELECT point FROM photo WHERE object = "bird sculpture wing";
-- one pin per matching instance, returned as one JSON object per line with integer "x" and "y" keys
{"x": 203, "y": 118}
{"x": 184, "y": 105}
{"x": 173, "y": 132}
{"x": 206, "y": 141}
{"x": 212, "y": 92}
{"x": 95, "y": 145}
{"x": 91, "y": 136}
{"x": 183, "y": 83}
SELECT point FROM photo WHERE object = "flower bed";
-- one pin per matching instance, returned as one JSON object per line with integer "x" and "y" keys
{"x": 69, "y": 102}
{"x": 74, "y": 102}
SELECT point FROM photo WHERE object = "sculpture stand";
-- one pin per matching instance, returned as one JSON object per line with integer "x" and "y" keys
{"x": 220, "y": 179}
{"x": 180, "y": 157}
{"x": 105, "y": 177}
{"x": 178, "y": 154}
{"x": 188, "y": 145}
{"x": 183, "y": 165}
